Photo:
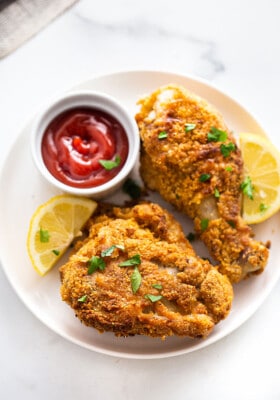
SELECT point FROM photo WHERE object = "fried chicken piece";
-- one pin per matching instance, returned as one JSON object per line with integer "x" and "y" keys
{"x": 200, "y": 174}
{"x": 193, "y": 295}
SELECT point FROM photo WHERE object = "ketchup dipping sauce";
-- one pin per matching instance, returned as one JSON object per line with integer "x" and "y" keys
{"x": 84, "y": 147}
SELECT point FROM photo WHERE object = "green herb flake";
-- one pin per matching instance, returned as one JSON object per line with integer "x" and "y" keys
{"x": 44, "y": 236}
{"x": 263, "y": 207}
{"x": 216, "y": 193}
{"x": 153, "y": 298}
{"x": 162, "y": 135}
{"x": 135, "y": 260}
{"x": 157, "y": 286}
{"x": 135, "y": 280}
{"x": 132, "y": 189}
{"x": 229, "y": 169}
{"x": 95, "y": 263}
{"x": 247, "y": 187}
{"x": 82, "y": 299}
{"x": 204, "y": 177}
{"x": 232, "y": 224}
{"x": 191, "y": 237}
{"x": 226, "y": 149}
{"x": 56, "y": 252}
{"x": 189, "y": 127}
{"x": 110, "y": 164}
{"x": 216, "y": 135}
{"x": 204, "y": 224}
{"x": 109, "y": 251}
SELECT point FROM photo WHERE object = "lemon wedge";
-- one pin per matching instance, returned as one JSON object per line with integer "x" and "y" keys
{"x": 53, "y": 227}
{"x": 262, "y": 173}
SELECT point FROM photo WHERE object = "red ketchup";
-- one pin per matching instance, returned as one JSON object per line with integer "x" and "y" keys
{"x": 76, "y": 143}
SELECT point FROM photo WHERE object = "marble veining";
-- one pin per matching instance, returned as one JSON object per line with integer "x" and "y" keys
{"x": 235, "y": 45}
{"x": 192, "y": 52}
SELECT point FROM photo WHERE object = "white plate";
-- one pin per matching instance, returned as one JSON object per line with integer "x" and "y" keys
{"x": 22, "y": 190}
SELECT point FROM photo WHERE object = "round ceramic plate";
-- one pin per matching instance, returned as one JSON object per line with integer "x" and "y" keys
{"x": 42, "y": 296}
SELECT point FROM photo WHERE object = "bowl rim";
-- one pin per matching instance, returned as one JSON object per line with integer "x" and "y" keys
{"x": 90, "y": 99}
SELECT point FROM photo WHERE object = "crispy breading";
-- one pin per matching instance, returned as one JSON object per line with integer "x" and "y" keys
{"x": 194, "y": 295}
{"x": 199, "y": 176}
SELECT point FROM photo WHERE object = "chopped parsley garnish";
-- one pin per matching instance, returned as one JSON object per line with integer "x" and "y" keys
{"x": 162, "y": 135}
{"x": 226, "y": 149}
{"x": 204, "y": 177}
{"x": 216, "y": 193}
{"x": 135, "y": 260}
{"x": 110, "y": 164}
{"x": 153, "y": 298}
{"x": 135, "y": 280}
{"x": 216, "y": 135}
{"x": 232, "y": 224}
{"x": 204, "y": 224}
{"x": 82, "y": 299}
{"x": 95, "y": 263}
{"x": 229, "y": 169}
{"x": 132, "y": 189}
{"x": 44, "y": 236}
{"x": 191, "y": 237}
{"x": 157, "y": 286}
{"x": 56, "y": 252}
{"x": 263, "y": 207}
{"x": 108, "y": 252}
{"x": 247, "y": 187}
{"x": 189, "y": 127}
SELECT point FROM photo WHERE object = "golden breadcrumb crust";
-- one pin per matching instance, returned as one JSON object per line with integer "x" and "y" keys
{"x": 176, "y": 164}
{"x": 194, "y": 295}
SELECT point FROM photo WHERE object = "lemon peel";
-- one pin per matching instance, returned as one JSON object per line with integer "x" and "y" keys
{"x": 53, "y": 227}
{"x": 262, "y": 166}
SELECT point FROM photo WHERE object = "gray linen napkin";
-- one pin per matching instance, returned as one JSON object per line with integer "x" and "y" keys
{"x": 21, "y": 19}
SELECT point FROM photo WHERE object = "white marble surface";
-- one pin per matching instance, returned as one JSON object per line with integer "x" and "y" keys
{"x": 233, "y": 44}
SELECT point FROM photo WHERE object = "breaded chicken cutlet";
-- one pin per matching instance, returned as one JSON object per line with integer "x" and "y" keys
{"x": 191, "y": 158}
{"x": 162, "y": 289}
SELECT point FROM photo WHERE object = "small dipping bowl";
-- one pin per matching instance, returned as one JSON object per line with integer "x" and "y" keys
{"x": 96, "y": 102}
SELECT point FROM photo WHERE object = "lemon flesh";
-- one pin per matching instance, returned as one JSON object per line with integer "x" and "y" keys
{"x": 262, "y": 165}
{"x": 53, "y": 227}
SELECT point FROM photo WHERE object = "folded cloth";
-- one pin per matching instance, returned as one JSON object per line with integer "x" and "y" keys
{"x": 21, "y": 19}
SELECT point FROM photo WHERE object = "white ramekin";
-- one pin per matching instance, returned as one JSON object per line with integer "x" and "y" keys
{"x": 102, "y": 102}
